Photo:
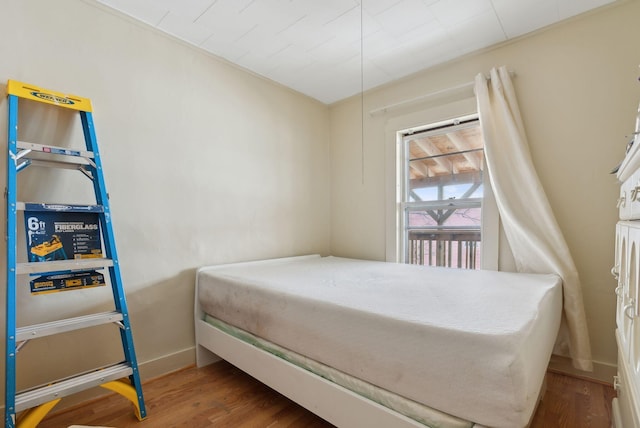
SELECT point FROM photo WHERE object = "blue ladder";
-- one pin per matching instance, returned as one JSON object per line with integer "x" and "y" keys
{"x": 28, "y": 408}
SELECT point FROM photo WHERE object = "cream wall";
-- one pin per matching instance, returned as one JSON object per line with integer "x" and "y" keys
{"x": 204, "y": 163}
{"x": 578, "y": 93}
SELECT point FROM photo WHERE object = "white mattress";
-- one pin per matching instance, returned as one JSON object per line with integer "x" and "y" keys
{"x": 474, "y": 344}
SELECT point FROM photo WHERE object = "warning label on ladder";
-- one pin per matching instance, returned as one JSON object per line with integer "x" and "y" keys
{"x": 62, "y": 235}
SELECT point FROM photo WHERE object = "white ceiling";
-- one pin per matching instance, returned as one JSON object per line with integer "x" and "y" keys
{"x": 331, "y": 49}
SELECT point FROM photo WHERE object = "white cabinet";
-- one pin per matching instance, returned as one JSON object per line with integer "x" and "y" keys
{"x": 626, "y": 407}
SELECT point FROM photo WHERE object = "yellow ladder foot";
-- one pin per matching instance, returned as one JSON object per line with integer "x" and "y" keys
{"x": 32, "y": 417}
{"x": 125, "y": 389}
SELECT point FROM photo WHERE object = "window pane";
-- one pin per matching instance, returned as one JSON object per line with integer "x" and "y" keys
{"x": 455, "y": 249}
{"x": 443, "y": 196}
{"x": 459, "y": 218}
{"x": 445, "y": 185}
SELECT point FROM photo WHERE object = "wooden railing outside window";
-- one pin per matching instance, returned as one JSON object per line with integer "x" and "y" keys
{"x": 458, "y": 248}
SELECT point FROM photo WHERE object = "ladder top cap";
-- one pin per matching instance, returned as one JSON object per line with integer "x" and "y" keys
{"x": 47, "y": 96}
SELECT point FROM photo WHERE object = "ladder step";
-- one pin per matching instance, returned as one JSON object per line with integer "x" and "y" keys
{"x": 61, "y": 326}
{"x": 61, "y": 164}
{"x": 53, "y": 149}
{"x": 30, "y": 206}
{"x": 65, "y": 387}
{"x": 63, "y": 265}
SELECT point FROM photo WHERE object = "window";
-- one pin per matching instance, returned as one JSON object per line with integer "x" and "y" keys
{"x": 442, "y": 193}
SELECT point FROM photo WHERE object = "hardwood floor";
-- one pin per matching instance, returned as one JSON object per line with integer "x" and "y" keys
{"x": 571, "y": 402}
{"x": 222, "y": 396}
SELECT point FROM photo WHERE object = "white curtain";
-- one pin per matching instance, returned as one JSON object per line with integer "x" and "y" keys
{"x": 531, "y": 229}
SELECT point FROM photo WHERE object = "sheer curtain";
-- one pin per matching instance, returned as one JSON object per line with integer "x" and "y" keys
{"x": 534, "y": 236}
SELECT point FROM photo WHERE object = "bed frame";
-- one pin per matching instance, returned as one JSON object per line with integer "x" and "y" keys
{"x": 332, "y": 402}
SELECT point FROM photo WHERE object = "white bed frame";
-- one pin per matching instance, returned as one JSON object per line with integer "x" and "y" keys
{"x": 326, "y": 399}
{"x": 332, "y": 402}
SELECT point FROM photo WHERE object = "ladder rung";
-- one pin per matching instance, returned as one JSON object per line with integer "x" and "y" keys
{"x": 63, "y": 388}
{"x": 65, "y": 325}
{"x": 61, "y": 164}
{"x": 63, "y": 265}
{"x": 55, "y": 150}
{"x": 30, "y": 206}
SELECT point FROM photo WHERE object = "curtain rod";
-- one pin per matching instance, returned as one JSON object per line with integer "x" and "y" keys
{"x": 425, "y": 97}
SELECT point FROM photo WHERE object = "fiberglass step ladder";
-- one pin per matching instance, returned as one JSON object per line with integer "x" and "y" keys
{"x": 123, "y": 377}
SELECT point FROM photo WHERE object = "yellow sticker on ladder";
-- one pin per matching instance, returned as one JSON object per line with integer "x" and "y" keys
{"x": 35, "y": 93}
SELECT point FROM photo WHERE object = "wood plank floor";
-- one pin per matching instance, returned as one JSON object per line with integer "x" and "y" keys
{"x": 220, "y": 395}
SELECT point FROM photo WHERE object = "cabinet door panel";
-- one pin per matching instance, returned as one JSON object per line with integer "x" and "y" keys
{"x": 621, "y": 268}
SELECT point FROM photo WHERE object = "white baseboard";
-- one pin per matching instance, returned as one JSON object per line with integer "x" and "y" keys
{"x": 148, "y": 370}
{"x": 167, "y": 363}
{"x": 602, "y": 372}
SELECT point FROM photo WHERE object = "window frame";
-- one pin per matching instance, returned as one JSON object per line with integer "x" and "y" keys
{"x": 489, "y": 227}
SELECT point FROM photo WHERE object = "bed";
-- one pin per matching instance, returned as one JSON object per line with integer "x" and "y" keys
{"x": 364, "y": 343}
